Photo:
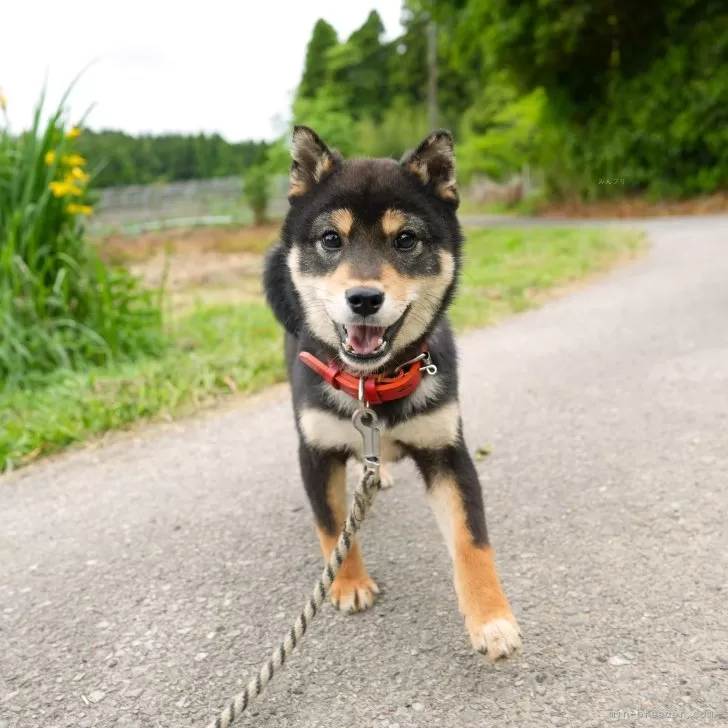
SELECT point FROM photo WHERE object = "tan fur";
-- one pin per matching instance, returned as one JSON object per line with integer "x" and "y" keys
{"x": 343, "y": 221}
{"x": 418, "y": 165}
{"x": 434, "y": 430}
{"x": 394, "y": 284}
{"x": 298, "y": 187}
{"x": 323, "y": 167}
{"x": 340, "y": 279}
{"x": 305, "y": 149}
{"x": 393, "y": 221}
{"x": 424, "y": 296}
{"x": 353, "y": 589}
{"x": 488, "y": 615}
{"x": 419, "y": 168}
{"x": 313, "y": 292}
{"x": 322, "y": 295}
{"x": 448, "y": 190}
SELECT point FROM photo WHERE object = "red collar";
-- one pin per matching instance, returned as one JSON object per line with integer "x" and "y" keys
{"x": 379, "y": 388}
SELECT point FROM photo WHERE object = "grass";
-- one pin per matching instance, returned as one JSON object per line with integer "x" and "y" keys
{"x": 527, "y": 207}
{"x": 60, "y": 306}
{"x": 220, "y": 350}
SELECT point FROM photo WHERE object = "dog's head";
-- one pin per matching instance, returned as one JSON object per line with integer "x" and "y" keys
{"x": 372, "y": 246}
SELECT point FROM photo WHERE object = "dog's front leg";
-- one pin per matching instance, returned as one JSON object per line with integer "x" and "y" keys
{"x": 324, "y": 477}
{"x": 456, "y": 499}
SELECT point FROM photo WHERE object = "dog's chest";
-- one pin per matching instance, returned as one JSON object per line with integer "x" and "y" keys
{"x": 331, "y": 427}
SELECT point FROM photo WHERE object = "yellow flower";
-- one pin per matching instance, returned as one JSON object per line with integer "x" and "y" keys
{"x": 75, "y": 209}
{"x": 73, "y": 132}
{"x": 73, "y": 160}
{"x": 79, "y": 174}
{"x": 3, "y": 101}
{"x": 50, "y": 157}
{"x": 61, "y": 189}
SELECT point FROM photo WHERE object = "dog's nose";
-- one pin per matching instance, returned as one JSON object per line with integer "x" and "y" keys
{"x": 364, "y": 301}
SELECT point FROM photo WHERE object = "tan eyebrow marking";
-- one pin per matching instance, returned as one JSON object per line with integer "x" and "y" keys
{"x": 343, "y": 220}
{"x": 393, "y": 221}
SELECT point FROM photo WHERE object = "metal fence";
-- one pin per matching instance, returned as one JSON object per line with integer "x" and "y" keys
{"x": 220, "y": 201}
{"x": 209, "y": 201}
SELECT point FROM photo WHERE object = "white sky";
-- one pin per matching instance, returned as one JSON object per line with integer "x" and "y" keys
{"x": 229, "y": 66}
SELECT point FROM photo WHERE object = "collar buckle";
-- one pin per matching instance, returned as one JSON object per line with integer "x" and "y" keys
{"x": 427, "y": 365}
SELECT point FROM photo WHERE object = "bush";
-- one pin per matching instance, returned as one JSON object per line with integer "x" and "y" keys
{"x": 60, "y": 306}
{"x": 663, "y": 133}
{"x": 256, "y": 190}
{"x": 401, "y": 128}
{"x": 500, "y": 132}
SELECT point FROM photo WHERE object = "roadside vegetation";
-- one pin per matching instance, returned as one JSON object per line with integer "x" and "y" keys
{"x": 213, "y": 351}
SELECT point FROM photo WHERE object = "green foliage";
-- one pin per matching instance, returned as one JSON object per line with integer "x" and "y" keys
{"x": 500, "y": 131}
{"x": 635, "y": 93}
{"x": 122, "y": 159}
{"x": 355, "y": 68}
{"x": 224, "y": 349}
{"x": 664, "y": 132}
{"x": 59, "y": 305}
{"x": 325, "y": 114}
{"x": 316, "y": 71}
{"x": 219, "y": 349}
{"x": 400, "y": 128}
{"x": 256, "y": 190}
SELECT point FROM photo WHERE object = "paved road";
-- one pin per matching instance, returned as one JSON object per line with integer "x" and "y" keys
{"x": 139, "y": 583}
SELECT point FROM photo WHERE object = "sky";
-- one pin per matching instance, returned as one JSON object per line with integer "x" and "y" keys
{"x": 226, "y": 66}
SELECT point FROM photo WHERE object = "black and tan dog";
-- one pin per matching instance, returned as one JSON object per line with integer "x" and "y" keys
{"x": 366, "y": 267}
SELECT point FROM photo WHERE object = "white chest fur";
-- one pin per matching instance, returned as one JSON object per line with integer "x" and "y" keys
{"x": 433, "y": 430}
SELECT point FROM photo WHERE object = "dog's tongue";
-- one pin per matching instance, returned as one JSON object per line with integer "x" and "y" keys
{"x": 364, "y": 340}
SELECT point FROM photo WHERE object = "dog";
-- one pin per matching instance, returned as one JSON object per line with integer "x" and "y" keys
{"x": 361, "y": 278}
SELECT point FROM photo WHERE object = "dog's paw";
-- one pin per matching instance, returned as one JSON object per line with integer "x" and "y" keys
{"x": 386, "y": 477}
{"x": 497, "y": 639}
{"x": 354, "y": 595}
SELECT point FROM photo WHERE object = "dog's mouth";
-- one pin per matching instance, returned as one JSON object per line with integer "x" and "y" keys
{"x": 364, "y": 341}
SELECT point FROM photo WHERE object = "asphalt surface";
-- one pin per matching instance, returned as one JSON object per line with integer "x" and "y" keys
{"x": 142, "y": 582}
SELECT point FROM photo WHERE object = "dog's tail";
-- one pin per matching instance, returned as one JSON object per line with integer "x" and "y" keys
{"x": 279, "y": 291}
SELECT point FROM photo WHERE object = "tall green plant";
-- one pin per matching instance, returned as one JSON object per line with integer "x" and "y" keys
{"x": 256, "y": 189}
{"x": 60, "y": 306}
{"x": 401, "y": 126}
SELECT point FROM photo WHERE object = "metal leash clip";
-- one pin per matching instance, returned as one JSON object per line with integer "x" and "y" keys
{"x": 365, "y": 421}
{"x": 427, "y": 365}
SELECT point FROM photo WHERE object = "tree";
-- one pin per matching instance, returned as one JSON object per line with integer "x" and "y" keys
{"x": 126, "y": 160}
{"x": 634, "y": 91}
{"x": 358, "y": 70}
{"x": 315, "y": 70}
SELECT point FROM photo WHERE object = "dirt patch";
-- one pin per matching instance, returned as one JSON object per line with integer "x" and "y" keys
{"x": 195, "y": 269}
{"x": 225, "y": 239}
{"x": 213, "y": 265}
{"x": 636, "y": 207}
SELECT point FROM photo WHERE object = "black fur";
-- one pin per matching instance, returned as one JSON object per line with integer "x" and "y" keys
{"x": 368, "y": 188}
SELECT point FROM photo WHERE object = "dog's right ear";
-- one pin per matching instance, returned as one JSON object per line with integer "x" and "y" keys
{"x": 312, "y": 160}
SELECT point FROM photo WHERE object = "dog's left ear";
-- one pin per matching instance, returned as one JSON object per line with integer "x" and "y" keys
{"x": 312, "y": 160}
{"x": 433, "y": 162}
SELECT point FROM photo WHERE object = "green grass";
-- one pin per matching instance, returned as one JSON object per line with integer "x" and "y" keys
{"x": 225, "y": 349}
{"x": 527, "y": 207}
{"x": 60, "y": 307}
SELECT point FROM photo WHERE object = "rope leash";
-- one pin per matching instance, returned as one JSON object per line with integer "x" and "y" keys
{"x": 363, "y": 498}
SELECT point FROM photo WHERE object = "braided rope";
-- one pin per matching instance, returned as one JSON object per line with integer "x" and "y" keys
{"x": 363, "y": 499}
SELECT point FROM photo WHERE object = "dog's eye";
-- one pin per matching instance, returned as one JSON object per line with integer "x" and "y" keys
{"x": 406, "y": 240}
{"x": 331, "y": 240}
